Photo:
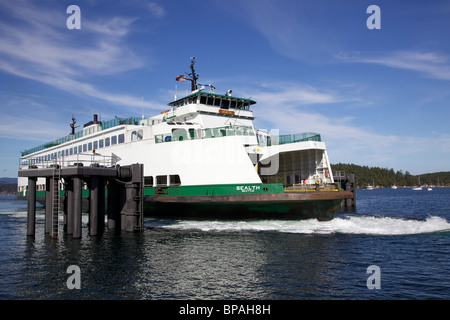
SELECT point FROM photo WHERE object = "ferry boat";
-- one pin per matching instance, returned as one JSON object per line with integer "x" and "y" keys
{"x": 203, "y": 158}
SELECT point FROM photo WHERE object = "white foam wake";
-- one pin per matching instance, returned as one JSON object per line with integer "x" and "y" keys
{"x": 347, "y": 225}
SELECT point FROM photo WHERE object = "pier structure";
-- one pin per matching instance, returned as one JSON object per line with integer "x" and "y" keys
{"x": 347, "y": 182}
{"x": 115, "y": 190}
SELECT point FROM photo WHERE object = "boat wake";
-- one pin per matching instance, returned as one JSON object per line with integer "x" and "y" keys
{"x": 364, "y": 225}
{"x": 348, "y": 224}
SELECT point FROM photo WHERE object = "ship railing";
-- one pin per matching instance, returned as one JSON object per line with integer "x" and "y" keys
{"x": 268, "y": 139}
{"x": 323, "y": 186}
{"x": 297, "y": 137}
{"x": 181, "y": 135}
{"x": 61, "y": 161}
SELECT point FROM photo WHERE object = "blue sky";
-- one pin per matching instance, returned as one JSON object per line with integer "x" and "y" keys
{"x": 378, "y": 97}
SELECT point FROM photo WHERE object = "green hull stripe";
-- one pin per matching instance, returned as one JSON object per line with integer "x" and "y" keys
{"x": 219, "y": 189}
{"x": 201, "y": 190}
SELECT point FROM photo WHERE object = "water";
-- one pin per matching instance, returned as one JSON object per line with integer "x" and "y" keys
{"x": 405, "y": 233}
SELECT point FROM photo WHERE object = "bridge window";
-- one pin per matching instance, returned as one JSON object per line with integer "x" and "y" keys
{"x": 121, "y": 138}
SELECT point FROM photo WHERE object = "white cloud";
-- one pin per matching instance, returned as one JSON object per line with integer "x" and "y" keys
{"x": 116, "y": 26}
{"x": 430, "y": 64}
{"x": 294, "y": 29}
{"x": 32, "y": 46}
{"x": 157, "y": 10}
{"x": 12, "y": 127}
{"x": 288, "y": 109}
{"x": 280, "y": 93}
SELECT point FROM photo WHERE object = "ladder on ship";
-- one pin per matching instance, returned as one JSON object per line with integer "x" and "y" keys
{"x": 56, "y": 188}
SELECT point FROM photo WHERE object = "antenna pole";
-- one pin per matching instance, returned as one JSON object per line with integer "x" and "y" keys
{"x": 194, "y": 76}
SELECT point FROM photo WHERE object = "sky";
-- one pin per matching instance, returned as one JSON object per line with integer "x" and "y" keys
{"x": 379, "y": 97}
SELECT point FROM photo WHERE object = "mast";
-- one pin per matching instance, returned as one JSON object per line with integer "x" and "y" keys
{"x": 194, "y": 76}
{"x": 72, "y": 125}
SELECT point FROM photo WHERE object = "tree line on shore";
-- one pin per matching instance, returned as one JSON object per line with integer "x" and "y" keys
{"x": 8, "y": 188}
{"x": 385, "y": 178}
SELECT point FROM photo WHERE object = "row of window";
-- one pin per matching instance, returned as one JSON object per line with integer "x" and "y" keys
{"x": 109, "y": 141}
{"x": 161, "y": 181}
{"x": 224, "y": 103}
{"x": 216, "y": 101}
{"x": 89, "y": 146}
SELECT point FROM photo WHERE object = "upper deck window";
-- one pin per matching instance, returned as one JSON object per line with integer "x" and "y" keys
{"x": 193, "y": 100}
{"x": 225, "y": 104}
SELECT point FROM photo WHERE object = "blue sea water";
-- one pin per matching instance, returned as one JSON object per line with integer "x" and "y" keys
{"x": 405, "y": 233}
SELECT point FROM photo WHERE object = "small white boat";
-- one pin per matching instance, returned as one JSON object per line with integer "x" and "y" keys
{"x": 430, "y": 189}
{"x": 418, "y": 188}
{"x": 394, "y": 187}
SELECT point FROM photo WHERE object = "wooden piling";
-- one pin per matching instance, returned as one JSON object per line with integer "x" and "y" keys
{"x": 77, "y": 198}
{"x": 93, "y": 206}
{"x": 70, "y": 205}
{"x": 101, "y": 206}
{"x": 48, "y": 205}
{"x": 31, "y": 211}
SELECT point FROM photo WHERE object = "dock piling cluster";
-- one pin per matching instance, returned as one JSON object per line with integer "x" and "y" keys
{"x": 118, "y": 188}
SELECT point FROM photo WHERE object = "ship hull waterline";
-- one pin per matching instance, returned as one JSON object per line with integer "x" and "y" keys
{"x": 320, "y": 205}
